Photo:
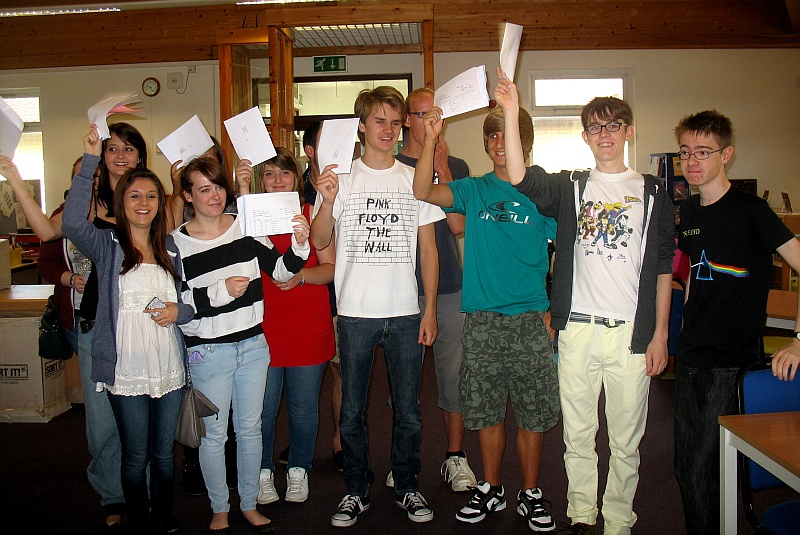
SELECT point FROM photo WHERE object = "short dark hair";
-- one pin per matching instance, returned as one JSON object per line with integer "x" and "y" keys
{"x": 709, "y": 123}
{"x": 607, "y": 109}
{"x": 209, "y": 168}
{"x": 311, "y": 133}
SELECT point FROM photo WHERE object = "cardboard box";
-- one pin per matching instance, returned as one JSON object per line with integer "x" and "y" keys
{"x": 32, "y": 389}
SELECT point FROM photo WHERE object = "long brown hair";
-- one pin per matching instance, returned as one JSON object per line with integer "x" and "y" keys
{"x": 158, "y": 228}
{"x": 128, "y": 134}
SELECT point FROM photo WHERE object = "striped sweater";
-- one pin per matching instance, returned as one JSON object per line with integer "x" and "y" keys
{"x": 220, "y": 318}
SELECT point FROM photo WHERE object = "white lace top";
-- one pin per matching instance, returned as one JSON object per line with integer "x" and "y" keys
{"x": 149, "y": 361}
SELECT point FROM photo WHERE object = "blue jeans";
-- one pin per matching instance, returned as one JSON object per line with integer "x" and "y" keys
{"x": 102, "y": 436}
{"x": 301, "y": 386}
{"x": 701, "y": 396}
{"x": 147, "y": 433}
{"x": 357, "y": 340}
{"x": 234, "y": 373}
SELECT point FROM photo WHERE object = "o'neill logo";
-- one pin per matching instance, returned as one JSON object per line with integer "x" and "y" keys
{"x": 504, "y": 212}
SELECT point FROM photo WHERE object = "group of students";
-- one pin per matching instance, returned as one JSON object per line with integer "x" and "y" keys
{"x": 389, "y": 226}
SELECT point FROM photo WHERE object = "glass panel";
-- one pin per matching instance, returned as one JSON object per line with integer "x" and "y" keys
{"x": 26, "y": 107}
{"x": 558, "y": 144}
{"x": 575, "y": 91}
{"x": 337, "y": 97}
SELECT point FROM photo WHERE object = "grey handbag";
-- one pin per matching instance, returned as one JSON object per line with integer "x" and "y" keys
{"x": 194, "y": 406}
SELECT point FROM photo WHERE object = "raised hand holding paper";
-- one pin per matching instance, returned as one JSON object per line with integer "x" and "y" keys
{"x": 337, "y": 140}
{"x": 189, "y": 141}
{"x": 509, "y": 49}
{"x": 465, "y": 92}
{"x": 11, "y": 126}
{"x": 250, "y": 137}
{"x": 108, "y": 105}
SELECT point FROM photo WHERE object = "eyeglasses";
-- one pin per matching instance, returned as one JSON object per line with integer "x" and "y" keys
{"x": 611, "y": 128}
{"x": 419, "y": 114}
{"x": 698, "y": 154}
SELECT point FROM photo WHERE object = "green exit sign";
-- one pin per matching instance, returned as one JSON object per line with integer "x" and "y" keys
{"x": 330, "y": 63}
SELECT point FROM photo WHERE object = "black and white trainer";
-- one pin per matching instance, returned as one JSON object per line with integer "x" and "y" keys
{"x": 416, "y": 506}
{"x": 485, "y": 500}
{"x": 530, "y": 504}
{"x": 349, "y": 508}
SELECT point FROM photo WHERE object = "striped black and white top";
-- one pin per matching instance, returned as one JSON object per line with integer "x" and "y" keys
{"x": 207, "y": 263}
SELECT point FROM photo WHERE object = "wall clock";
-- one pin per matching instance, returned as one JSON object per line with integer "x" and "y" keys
{"x": 151, "y": 86}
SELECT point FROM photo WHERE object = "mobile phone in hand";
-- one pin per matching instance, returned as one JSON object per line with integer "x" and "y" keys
{"x": 155, "y": 303}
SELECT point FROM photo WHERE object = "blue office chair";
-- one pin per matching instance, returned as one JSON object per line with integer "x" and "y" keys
{"x": 759, "y": 391}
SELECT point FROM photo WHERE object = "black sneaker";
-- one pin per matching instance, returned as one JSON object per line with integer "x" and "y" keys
{"x": 530, "y": 504}
{"x": 349, "y": 508}
{"x": 485, "y": 500}
{"x": 416, "y": 506}
{"x": 579, "y": 529}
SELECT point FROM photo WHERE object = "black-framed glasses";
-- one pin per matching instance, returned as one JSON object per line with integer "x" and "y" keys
{"x": 698, "y": 154}
{"x": 611, "y": 128}
{"x": 419, "y": 114}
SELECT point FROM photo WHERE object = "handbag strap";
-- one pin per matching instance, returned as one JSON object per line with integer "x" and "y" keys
{"x": 188, "y": 372}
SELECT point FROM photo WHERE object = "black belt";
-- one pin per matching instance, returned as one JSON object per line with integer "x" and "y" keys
{"x": 577, "y": 317}
{"x": 86, "y": 325}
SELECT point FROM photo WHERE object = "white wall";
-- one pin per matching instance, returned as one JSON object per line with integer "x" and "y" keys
{"x": 67, "y": 94}
{"x": 758, "y": 89}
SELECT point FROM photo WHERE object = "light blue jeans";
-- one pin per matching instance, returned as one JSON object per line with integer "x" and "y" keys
{"x": 104, "y": 470}
{"x": 301, "y": 385}
{"x": 232, "y": 372}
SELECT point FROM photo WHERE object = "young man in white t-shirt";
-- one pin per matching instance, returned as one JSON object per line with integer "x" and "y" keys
{"x": 376, "y": 222}
{"x": 610, "y": 301}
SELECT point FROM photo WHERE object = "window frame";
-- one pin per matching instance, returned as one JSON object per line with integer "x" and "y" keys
{"x": 627, "y": 76}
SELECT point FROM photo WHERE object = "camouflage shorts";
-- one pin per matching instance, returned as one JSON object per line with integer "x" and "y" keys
{"x": 508, "y": 356}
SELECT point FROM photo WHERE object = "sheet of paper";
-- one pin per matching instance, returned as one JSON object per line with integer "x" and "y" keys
{"x": 266, "y": 214}
{"x": 464, "y": 93}
{"x": 336, "y": 144}
{"x": 11, "y": 126}
{"x": 108, "y": 105}
{"x": 250, "y": 137}
{"x": 509, "y": 49}
{"x": 189, "y": 141}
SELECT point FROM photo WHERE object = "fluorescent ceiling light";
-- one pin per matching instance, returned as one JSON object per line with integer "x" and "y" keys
{"x": 57, "y": 11}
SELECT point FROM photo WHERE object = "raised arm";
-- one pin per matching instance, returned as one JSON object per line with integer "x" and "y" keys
{"x": 41, "y": 225}
{"x": 323, "y": 221}
{"x": 507, "y": 97}
{"x": 441, "y": 166}
{"x": 424, "y": 188}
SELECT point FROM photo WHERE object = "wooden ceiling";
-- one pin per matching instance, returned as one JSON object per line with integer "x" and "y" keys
{"x": 189, "y": 32}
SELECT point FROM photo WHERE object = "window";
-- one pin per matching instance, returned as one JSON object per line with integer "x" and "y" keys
{"x": 29, "y": 157}
{"x": 557, "y": 99}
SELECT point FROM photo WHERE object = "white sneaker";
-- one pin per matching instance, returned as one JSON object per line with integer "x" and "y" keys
{"x": 390, "y": 480}
{"x": 296, "y": 485}
{"x": 266, "y": 487}
{"x": 457, "y": 472}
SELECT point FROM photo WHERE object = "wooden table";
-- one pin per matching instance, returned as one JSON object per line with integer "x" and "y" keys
{"x": 781, "y": 309}
{"x": 25, "y": 297}
{"x": 769, "y": 439}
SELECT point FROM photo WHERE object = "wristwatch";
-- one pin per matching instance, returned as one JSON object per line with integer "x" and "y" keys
{"x": 796, "y": 335}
